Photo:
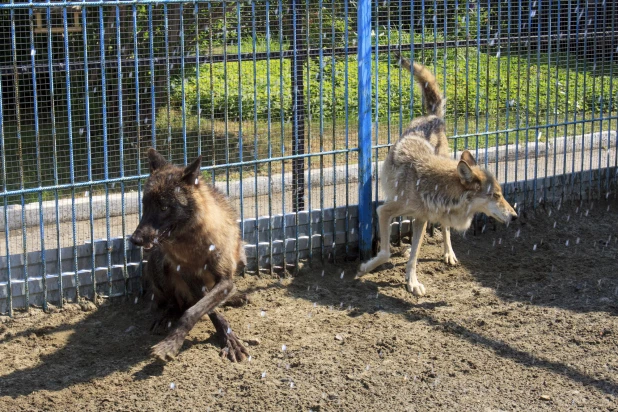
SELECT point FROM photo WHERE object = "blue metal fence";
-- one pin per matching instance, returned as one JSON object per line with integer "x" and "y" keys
{"x": 293, "y": 105}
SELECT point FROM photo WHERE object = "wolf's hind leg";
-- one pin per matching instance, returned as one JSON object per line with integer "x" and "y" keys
{"x": 449, "y": 254}
{"x": 412, "y": 283}
{"x": 232, "y": 346}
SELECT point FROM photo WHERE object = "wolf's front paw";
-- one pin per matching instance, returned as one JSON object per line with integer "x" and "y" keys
{"x": 417, "y": 289}
{"x": 168, "y": 348}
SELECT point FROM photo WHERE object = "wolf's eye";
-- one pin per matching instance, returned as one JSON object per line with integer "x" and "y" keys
{"x": 163, "y": 207}
{"x": 496, "y": 196}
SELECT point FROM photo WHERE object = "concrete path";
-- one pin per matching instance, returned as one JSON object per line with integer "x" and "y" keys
{"x": 549, "y": 163}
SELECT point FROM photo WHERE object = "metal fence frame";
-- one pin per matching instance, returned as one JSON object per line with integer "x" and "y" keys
{"x": 279, "y": 240}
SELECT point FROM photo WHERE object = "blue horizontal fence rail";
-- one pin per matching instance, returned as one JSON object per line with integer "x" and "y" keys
{"x": 293, "y": 105}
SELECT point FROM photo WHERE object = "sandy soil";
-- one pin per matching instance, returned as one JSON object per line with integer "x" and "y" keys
{"x": 513, "y": 327}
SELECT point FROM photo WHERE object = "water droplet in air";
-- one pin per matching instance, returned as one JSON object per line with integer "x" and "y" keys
{"x": 172, "y": 385}
{"x": 342, "y": 273}
{"x": 81, "y": 131}
{"x": 283, "y": 348}
{"x": 212, "y": 247}
{"x": 136, "y": 300}
{"x": 566, "y": 243}
{"x": 534, "y": 247}
{"x": 577, "y": 241}
{"x": 262, "y": 313}
{"x": 263, "y": 375}
{"x": 178, "y": 268}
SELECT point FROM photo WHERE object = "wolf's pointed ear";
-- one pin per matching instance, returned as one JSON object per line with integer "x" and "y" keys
{"x": 465, "y": 172}
{"x": 191, "y": 173}
{"x": 467, "y": 157}
{"x": 156, "y": 160}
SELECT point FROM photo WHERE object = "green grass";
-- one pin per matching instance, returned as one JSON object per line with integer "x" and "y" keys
{"x": 473, "y": 83}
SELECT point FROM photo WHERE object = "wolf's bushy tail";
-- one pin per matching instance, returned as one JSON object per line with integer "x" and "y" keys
{"x": 432, "y": 97}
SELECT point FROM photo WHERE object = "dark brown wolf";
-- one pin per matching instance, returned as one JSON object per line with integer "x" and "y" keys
{"x": 191, "y": 232}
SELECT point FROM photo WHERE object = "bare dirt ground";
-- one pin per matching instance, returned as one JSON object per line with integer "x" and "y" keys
{"x": 526, "y": 321}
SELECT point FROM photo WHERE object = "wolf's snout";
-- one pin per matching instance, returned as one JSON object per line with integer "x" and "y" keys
{"x": 137, "y": 238}
{"x": 514, "y": 217}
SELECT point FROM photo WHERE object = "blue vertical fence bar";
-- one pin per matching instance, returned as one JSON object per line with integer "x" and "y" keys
{"x": 3, "y": 164}
{"x": 89, "y": 155}
{"x": 321, "y": 132}
{"x": 71, "y": 148}
{"x": 105, "y": 145}
{"x": 153, "y": 104}
{"x": 138, "y": 139}
{"x": 240, "y": 121}
{"x": 54, "y": 132}
{"x": 38, "y": 157}
{"x": 16, "y": 80}
{"x": 364, "y": 129}
{"x": 270, "y": 262}
{"x": 119, "y": 77}
{"x": 334, "y": 139}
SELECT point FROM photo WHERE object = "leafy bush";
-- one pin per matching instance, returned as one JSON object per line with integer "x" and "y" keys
{"x": 486, "y": 84}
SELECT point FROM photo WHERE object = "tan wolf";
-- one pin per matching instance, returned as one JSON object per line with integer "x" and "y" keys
{"x": 421, "y": 181}
{"x": 195, "y": 249}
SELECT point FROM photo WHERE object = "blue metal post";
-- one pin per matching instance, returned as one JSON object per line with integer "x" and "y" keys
{"x": 364, "y": 128}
